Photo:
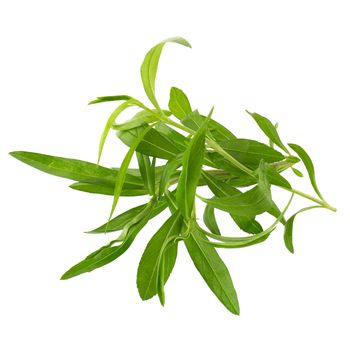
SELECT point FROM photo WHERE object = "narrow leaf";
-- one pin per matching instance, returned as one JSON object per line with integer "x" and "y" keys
{"x": 240, "y": 242}
{"x": 297, "y": 172}
{"x": 222, "y": 189}
{"x": 153, "y": 144}
{"x": 147, "y": 172}
{"x": 253, "y": 202}
{"x": 168, "y": 172}
{"x": 269, "y": 130}
{"x": 308, "y": 165}
{"x": 109, "y": 124}
{"x": 123, "y": 169}
{"x": 110, "y": 98}
{"x": 120, "y": 221}
{"x": 288, "y": 233}
{"x": 127, "y": 191}
{"x": 191, "y": 171}
{"x": 250, "y": 152}
{"x": 212, "y": 269}
{"x": 140, "y": 118}
{"x": 288, "y": 228}
{"x": 74, "y": 169}
{"x": 108, "y": 253}
{"x": 149, "y": 67}
{"x": 175, "y": 137}
{"x": 150, "y": 262}
{"x": 210, "y": 219}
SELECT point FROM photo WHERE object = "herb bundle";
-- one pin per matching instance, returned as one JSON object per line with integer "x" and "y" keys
{"x": 177, "y": 150}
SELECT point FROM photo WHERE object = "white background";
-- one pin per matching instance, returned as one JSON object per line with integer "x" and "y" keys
{"x": 288, "y": 60}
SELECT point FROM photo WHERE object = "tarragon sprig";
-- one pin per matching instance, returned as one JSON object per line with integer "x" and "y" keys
{"x": 178, "y": 149}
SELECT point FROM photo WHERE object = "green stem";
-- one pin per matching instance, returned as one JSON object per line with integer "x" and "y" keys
{"x": 316, "y": 200}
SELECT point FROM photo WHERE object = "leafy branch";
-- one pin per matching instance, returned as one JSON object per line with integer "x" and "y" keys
{"x": 178, "y": 150}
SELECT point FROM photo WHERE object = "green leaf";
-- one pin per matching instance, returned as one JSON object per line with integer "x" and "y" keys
{"x": 110, "y": 98}
{"x": 153, "y": 144}
{"x": 269, "y": 130}
{"x": 288, "y": 233}
{"x": 210, "y": 219}
{"x": 274, "y": 177}
{"x": 149, "y": 67}
{"x": 288, "y": 228}
{"x": 127, "y": 191}
{"x": 149, "y": 265}
{"x": 253, "y": 202}
{"x": 168, "y": 171}
{"x": 222, "y": 189}
{"x": 217, "y": 131}
{"x": 297, "y": 172}
{"x": 191, "y": 171}
{"x": 140, "y": 118}
{"x": 109, "y": 124}
{"x": 147, "y": 172}
{"x": 124, "y": 167}
{"x": 74, "y": 169}
{"x": 240, "y": 242}
{"x": 109, "y": 253}
{"x": 308, "y": 165}
{"x": 120, "y": 221}
{"x": 212, "y": 269}
{"x": 179, "y": 104}
{"x": 172, "y": 135}
{"x": 219, "y": 162}
{"x": 250, "y": 152}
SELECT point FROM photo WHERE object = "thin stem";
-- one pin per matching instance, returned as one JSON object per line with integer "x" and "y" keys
{"x": 316, "y": 200}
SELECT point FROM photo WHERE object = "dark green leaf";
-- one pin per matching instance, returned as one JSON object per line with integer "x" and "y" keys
{"x": 222, "y": 189}
{"x": 240, "y": 242}
{"x": 308, "y": 165}
{"x": 74, "y": 169}
{"x": 150, "y": 262}
{"x": 153, "y": 144}
{"x": 149, "y": 67}
{"x": 250, "y": 152}
{"x": 108, "y": 253}
{"x": 219, "y": 162}
{"x": 191, "y": 170}
{"x": 120, "y": 221}
{"x": 127, "y": 191}
{"x": 269, "y": 130}
{"x": 212, "y": 269}
{"x": 217, "y": 131}
{"x": 253, "y": 202}
{"x": 179, "y": 104}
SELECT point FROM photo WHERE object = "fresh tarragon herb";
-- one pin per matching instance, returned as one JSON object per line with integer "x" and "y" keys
{"x": 178, "y": 150}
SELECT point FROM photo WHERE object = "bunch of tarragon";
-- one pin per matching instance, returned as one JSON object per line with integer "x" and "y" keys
{"x": 178, "y": 149}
